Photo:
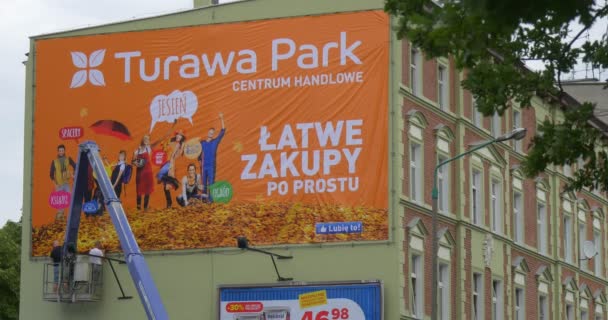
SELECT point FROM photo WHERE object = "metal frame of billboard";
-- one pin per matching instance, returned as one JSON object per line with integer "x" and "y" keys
{"x": 304, "y": 284}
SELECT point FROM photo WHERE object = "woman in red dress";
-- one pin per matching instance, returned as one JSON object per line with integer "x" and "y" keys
{"x": 144, "y": 181}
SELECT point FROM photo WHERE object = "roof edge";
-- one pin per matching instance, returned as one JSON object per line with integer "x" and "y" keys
{"x": 152, "y": 16}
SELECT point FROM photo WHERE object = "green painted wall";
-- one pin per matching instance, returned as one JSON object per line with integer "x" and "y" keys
{"x": 188, "y": 281}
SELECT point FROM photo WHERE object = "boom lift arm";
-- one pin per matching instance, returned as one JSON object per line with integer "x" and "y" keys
{"x": 88, "y": 155}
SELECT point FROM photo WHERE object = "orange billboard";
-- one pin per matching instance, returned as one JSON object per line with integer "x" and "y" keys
{"x": 275, "y": 129}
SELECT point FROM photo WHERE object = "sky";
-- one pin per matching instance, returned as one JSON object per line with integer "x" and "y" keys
{"x": 20, "y": 19}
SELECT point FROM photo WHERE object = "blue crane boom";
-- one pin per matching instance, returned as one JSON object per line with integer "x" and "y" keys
{"x": 88, "y": 156}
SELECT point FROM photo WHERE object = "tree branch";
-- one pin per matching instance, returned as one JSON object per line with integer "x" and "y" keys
{"x": 595, "y": 16}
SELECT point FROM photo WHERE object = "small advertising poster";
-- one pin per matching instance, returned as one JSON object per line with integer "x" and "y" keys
{"x": 360, "y": 300}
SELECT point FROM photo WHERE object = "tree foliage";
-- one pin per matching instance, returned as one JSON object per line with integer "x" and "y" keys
{"x": 492, "y": 38}
{"x": 10, "y": 262}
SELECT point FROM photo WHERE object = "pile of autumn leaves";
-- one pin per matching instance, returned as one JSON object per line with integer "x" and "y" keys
{"x": 216, "y": 225}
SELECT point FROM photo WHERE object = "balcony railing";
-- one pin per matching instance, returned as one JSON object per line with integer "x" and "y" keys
{"x": 80, "y": 281}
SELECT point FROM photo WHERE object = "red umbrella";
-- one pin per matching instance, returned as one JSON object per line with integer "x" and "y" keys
{"x": 111, "y": 128}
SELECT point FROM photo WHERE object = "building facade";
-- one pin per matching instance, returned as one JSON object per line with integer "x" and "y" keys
{"x": 510, "y": 247}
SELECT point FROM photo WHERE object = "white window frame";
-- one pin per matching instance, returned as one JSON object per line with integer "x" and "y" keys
{"x": 477, "y": 302}
{"x": 541, "y": 228}
{"x": 568, "y": 230}
{"x": 519, "y": 304}
{"x": 569, "y": 311}
{"x": 599, "y": 315}
{"x": 416, "y": 169}
{"x": 476, "y": 116}
{"x": 415, "y": 71}
{"x": 598, "y": 240}
{"x": 443, "y": 291}
{"x": 495, "y": 125}
{"x": 517, "y": 123}
{"x": 496, "y": 205}
{"x": 476, "y": 197}
{"x": 443, "y": 184}
{"x": 567, "y": 170}
{"x": 497, "y": 300}
{"x": 543, "y": 305}
{"x": 443, "y": 101}
{"x": 597, "y": 263}
{"x": 518, "y": 217}
{"x": 582, "y": 237}
{"x": 417, "y": 292}
{"x": 580, "y": 163}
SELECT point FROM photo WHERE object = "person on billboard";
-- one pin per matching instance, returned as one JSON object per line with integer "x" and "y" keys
{"x": 192, "y": 186}
{"x": 117, "y": 173}
{"x": 166, "y": 175}
{"x": 61, "y": 174}
{"x": 209, "y": 155}
{"x": 144, "y": 180}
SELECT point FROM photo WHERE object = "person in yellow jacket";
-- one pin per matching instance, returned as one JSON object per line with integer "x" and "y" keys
{"x": 61, "y": 174}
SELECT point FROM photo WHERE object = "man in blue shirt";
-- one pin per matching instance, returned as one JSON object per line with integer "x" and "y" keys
{"x": 209, "y": 155}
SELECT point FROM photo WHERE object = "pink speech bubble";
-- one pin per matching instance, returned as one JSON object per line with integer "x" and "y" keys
{"x": 60, "y": 199}
{"x": 70, "y": 133}
{"x": 159, "y": 157}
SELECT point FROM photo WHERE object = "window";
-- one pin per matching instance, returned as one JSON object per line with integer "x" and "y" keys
{"x": 543, "y": 308}
{"x": 476, "y": 197}
{"x": 584, "y": 315}
{"x": 443, "y": 292}
{"x": 496, "y": 206}
{"x": 517, "y": 144}
{"x": 580, "y": 163}
{"x": 568, "y": 238}
{"x": 582, "y": 232}
{"x": 476, "y": 116}
{"x": 416, "y": 172}
{"x": 567, "y": 170}
{"x": 477, "y": 296}
{"x": 497, "y": 301}
{"x": 417, "y": 285}
{"x": 518, "y": 218}
{"x": 569, "y": 312}
{"x": 597, "y": 239}
{"x": 443, "y": 185}
{"x": 495, "y": 125}
{"x": 541, "y": 228}
{"x": 519, "y": 304}
{"x": 415, "y": 81}
{"x": 442, "y": 87}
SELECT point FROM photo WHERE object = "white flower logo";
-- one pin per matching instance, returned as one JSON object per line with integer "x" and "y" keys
{"x": 87, "y": 65}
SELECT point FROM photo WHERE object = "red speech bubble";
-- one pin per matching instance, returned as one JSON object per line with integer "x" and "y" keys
{"x": 71, "y": 133}
{"x": 60, "y": 199}
{"x": 159, "y": 157}
{"x": 236, "y": 307}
